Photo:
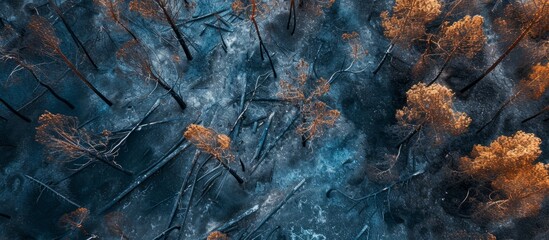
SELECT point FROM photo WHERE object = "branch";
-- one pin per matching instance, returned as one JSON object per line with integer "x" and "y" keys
{"x": 53, "y": 191}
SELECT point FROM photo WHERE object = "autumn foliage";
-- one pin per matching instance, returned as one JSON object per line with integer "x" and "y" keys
{"x": 520, "y": 185}
{"x": 408, "y": 19}
{"x": 65, "y": 141}
{"x": 537, "y": 81}
{"x": 209, "y": 141}
{"x": 432, "y": 106}
{"x": 75, "y": 220}
{"x": 464, "y": 37}
{"x": 217, "y": 235}
{"x": 316, "y": 114}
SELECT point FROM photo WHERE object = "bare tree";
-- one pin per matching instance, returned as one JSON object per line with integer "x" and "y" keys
{"x": 163, "y": 10}
{"x": 253, "y": 9}
{"x": 49, "y": 44}
{"x": 71, "y": 32}
{"x": 111, "y": 9}
{"x": 21, "y": 63}
{"x": 136, "y": 57}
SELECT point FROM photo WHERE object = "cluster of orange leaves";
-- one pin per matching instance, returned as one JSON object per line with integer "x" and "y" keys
{"x": 75, "y": 219}
{"x": 432, "y": 106}
{"x": 217, "y": 235}
{"x": 537, "y": 81}
{"x": 508, "y": 164}
{"x": 464, "y": 37}
{"x": 357, "y": 50}
{"x": 316, "y": 113}
{"x": 408, "y": 20}
{"x": 65, "y": 141}
{"x": 209, "y": 141}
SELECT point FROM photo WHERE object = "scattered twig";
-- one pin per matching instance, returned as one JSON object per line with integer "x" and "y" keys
{"x": 166, "y": 232}
{"x": 387, "y": 188}
{"x": 182, "y": 189}
{"x": 290, "y": 194}
{"x": 53, "y": 191}
{"x": 261, "y": 143}
{"x": 273, "y": 144}
{"x": 165, "y": 159}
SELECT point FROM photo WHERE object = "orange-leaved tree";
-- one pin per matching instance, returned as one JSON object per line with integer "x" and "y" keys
{"x": 463, "y": 38}
{"x": 213, "y": 143}
{"x": 431, "y": 107}
{"x": 66, "y": 141}
{"x": 508, "y": 164}
{"x": 407, "y": 23}
{"x": 50, "y": 44}
{"x": 533, "y": 16}
{"x": 316, "y": 115}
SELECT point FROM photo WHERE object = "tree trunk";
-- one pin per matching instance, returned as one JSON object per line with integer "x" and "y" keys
{"x": 79, "y": 75}
{"x": 174, "y": 94}
{"x": 14, "y": 111}
{"x": 57, "y": 96}
{"x": 502, "y": 57}
{"x": 69, "y": 29}
{"x": 545, "y": 109}
{"x": 178, "y": 34}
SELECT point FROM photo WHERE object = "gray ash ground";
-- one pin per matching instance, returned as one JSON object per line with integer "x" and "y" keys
{"x": 415, "y": 207}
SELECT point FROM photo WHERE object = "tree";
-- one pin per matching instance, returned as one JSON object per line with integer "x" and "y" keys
{"x": 75, "y": 221}
{"x": 135, "y": 57}
{"x": 217, "y": 145}
{"x": 71, "y": 32}
{"x": 319, "y": 5}
{"x": 66, "y": 142}
{"x": 111, "y": 9}
{"x": 316, "y": 115}
{"x": 534, "y": 86}
{"x": 217, "y": 235}
{"x": 536, "y": 13}
{"x": 463, "y": 38}
{"x": 253, "y": 9}
{"x": 407, "y": 23}
{"x": 163, "y": 10}
{"x": 508, "y": 165}
{"x": 432, "y": 107}
{"x": 49, "y": 43}
{"x": 21, "y": 63}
